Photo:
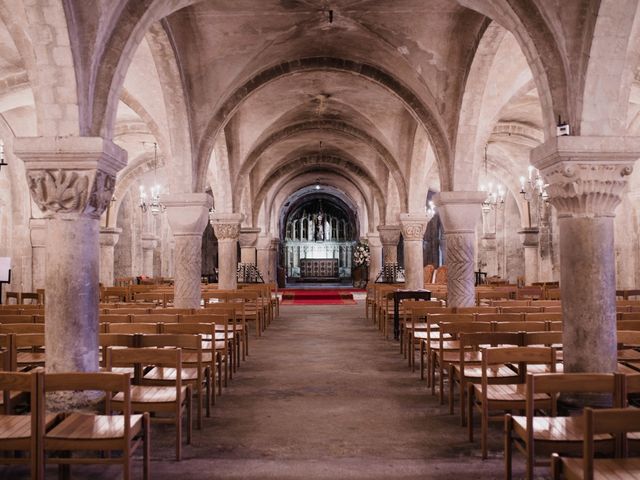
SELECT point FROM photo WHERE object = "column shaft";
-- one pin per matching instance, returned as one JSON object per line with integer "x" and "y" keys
{"x": 227, "y": 264}
{"x": 413, "y": 228}
{"x": 188, "y": 271}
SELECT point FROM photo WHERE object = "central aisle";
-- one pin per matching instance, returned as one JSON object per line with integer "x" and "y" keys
{"x": 324, "y": 396}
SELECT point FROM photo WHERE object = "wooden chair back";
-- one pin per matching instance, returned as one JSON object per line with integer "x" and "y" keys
{"x": 499, "y": 317}
{"x": 515, "y": 309}
{"x": 480, "y": 310}
{"x": 520, "y": 326}
{"x": 16, "y": 319}
{"x": 543, "y": 317}
{"x": 22, "y": 328}
{"x": 114, "y": 318}
{"x": 131, "y": 328}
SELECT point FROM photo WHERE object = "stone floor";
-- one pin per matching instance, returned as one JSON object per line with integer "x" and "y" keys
{"x": 322, "y": 396}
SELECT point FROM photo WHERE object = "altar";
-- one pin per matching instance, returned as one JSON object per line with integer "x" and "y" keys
{"x": 319, "y": 269}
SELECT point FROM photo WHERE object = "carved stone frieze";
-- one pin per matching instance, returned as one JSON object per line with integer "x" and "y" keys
{"x": 413, "y": 226}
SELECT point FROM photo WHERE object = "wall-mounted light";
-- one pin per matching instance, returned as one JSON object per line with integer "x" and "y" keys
{"x": 2, "y": 162}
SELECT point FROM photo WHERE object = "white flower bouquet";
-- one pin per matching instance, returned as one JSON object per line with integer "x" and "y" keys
{"x": 361, "y": 255}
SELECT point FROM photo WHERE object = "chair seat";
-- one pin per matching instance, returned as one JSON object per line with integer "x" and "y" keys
{"x": 83, "y": 426}
{"x": 603, "y": 468}
{"x": 169, "y": 374}
{"x": 30, "y": 358}
{"x": 555, "y": 429}
{"x": 151, "y": 394}
{"x": 508, "y": 393}
{"x": 17, "y": 427}
{"x": 192, "y": 357}
{"x": 492, "y": 372}
{"x": 629, "y": 355}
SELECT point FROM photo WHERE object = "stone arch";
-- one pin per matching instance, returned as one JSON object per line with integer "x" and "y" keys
{"x": 294, "y": 181}
{"x": 315, "y": 160}
{"x": 423, "y": 114}
{"x": 341, "y": 128}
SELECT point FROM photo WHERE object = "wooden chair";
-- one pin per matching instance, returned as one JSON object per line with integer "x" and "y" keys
{"x": 448, "y": 350}
{"x": 17, "y": 296}
{"x": 106, "y": 432}
{"x": 16, "y": 319}
{"x": 486, "y": 309}
{"x": 552, "y": 433}
{"x": 416, "y": 312}
{"x": 520, "y": 326}
{"x": 155, "y": 399}
{"x": 22, "y": 328}
{"x": 613, "y": 421}
{"x": 141, "y": 328}
{"x": 468, "y": 369}
{"x": 195, "y": 372}
{"x": 154, "y": 318}
{"x": 527, "y": 309}
{"x": 21, "y": 433}
{"x": 33, "y": 297}
{"x": 508, "y": 394}
{"x": 27, "y": 351}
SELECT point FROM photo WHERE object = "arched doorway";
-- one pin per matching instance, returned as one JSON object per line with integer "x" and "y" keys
{"x": 318, "y": 229}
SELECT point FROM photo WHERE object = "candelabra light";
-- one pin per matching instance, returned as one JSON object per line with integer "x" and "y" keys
{"x": 153, "y": 205}
{"x": 495, "y": 196}
{"x": 533, "y": 189}
{"x": 430, "y": 209}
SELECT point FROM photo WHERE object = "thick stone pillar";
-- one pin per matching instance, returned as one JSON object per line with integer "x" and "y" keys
{"x": 390, "y": 237}
{"x": 149, "y": 244}
{"x": 459, "y": 213}
{"x": 489, "y": 245}
{"x": 227, "y": 230}
{"x": 38, "y": 234}
{"x": 108, "y": 239}
{"x": 530, "y": 242}
{"x": 248, "y": 239}
{"x": 187, "y": 214}
{"x": 71, "y": 179}
{"x": 262, "y": 257}
{"x": 586, "y": 177}
{"x": 413, "y": 228}
{"x": 375, "y": 255}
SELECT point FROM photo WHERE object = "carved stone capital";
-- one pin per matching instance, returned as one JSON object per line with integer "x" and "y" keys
{"x": 187, "y": 213}
{"x": 586, "y": 175}
{"x": 531, "y": 236}
{"x": 248, "y": 237}
{"x": 413, "y": 225}
{"x": 374, "y": 240}
{"x": 459, "y": 211}
{"x": 227, "y": 225}
{"x": 109, "y": 236}
{"x": 149, "y": 241}
{"x": 389, "y": 235}
{"x": 38, "y": 232}
{"x": 264, "y": 242}
{"x": 70, "y": 177}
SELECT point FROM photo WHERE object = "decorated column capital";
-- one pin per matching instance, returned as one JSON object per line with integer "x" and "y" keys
{"x": 586, "y": 176}
{"x": 373, "y": 238}
{"x": 109, "y": 236}
{"x": 263, "y": 242}
{"x": 459, "y": 211}
{"x": 38, "y": 232}
{"x": 413, "y": 225}
{"x": 187, "y": 213}
{"x": 248, "y": 237}
{"x": 389, "y": 234}
{"x": 149, "y": 241}
{"x": 70, "y": 177}
{"x": 530, "y": 236}
{"x": 227, "y": 225}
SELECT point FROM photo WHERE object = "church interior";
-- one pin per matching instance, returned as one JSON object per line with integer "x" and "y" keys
{"x": 355, "y": 239}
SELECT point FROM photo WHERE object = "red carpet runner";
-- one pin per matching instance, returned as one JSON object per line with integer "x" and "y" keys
{"x": 318, "y": 297}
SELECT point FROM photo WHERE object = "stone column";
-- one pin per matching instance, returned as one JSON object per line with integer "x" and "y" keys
{"x": 187, "y": 214}
{"x": 531, "y": 254}
{"x": 108, "y": 239}
{"x": 262, "y": 257}
{"x": 71, "y": 179}
{"x": 38, "y": 234}
{"x": 390, "y": 237}
{"x": 248, "y": 239}
{"x": 274, "y": 244}
{"x": 375, "y": 255}
{"x": 489, "y": 245}
{"x": 149, "y": 244}
{"x": 413, "y": 228}
{"x": 459, "y": 213}
{"x": 586, "y": 177}
{"x": 227, "y": 229}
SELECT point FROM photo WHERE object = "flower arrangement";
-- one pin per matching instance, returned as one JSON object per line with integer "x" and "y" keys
{"x": 361, "y": 255}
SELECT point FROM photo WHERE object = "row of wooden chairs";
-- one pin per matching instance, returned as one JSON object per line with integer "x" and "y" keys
{"x": 51, "y": 438}
{"x": 25, "y": 298}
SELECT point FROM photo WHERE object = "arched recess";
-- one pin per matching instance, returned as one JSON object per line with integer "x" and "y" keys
{"x": 424, "y": 115}
{"x": 541, "y": 45}
{"x": 335, "y": 127}
{"x": 333, "y": 180}
{"x": 298, "y": 164}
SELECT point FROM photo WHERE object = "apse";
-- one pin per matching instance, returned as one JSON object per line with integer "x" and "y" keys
{"x": 318, "y": 228}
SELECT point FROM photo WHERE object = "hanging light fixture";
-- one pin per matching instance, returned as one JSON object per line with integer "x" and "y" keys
{"x": 430, "y": 209}
{"x": 154, "y": 204}
{"x": 533, "y": 189}
{"x": 495, "y": 194}
{"x": 2, "y": 162}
